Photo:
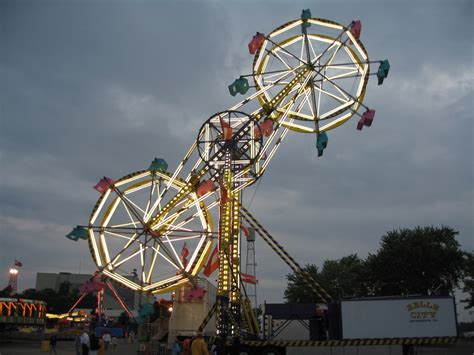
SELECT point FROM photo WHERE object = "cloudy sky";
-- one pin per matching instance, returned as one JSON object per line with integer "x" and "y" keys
{"x": 96, "y": 88}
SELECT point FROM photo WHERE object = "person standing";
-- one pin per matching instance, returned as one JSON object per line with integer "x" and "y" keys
{"x": 131, "y": 336}
{"x": 52, "y": 344}
{"x": 77, "y": 344}
{"x": 107, "y": 339}
{"x": 186, "y": 346}
{"x": 85, "y": 343}
{"x": 199, "y": 346}
{"x": 235, "y": 346}
{"x": 175, "y": 348}
{"x": 94, "y": 344}
{"x": 114, "y": 343}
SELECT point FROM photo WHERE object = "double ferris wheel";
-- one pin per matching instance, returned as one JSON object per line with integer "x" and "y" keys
{"x": 309, "y": 76}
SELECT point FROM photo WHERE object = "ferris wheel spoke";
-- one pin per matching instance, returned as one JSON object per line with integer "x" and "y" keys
{"x": 174, "y": 238}
{"x": 334, "y": 96}
{"x": 121, "y": 225}
{"x": 351, "y": 74}
{"x": 195, "y": 215}
{"x": 172, "y": 217}
{"x": 338, "y": 66}
{"x": 150, "y": 197}
{"x": 276, "y": 55}
{"x": 171, "y": 181}
{"x": 333, "y": 55}
{"x": 130, "y": 242}
{"x": 116, "y": 263}
{"x": 141, "y": 250}
{"x": 307, "y": 99}
{"x": 286, "y": 73}
{"x": 284, "y": 50}
{"x": 142, "y": 261}
{"x": 273, "y": 135}
{"x": 346, "y": 98}
{"x": 284, "y": 132}
{"x": 130, "y": 215}
{"x": 318, "y": 109}
{"x": 108, "y": 232}
{"x": 137, "y": 208}
{"x": 134, "y": 239}
{"x": 174, "y": 251}
{"x": 354, "y": 99}
{"x": 155, "y": 248}
{"x": 314, "y": 87}
{"x": 173, "y": 264}
{"x": 157, "y": 204}
{"x": 312, "y": 49}
{"x": 278, "y": 77}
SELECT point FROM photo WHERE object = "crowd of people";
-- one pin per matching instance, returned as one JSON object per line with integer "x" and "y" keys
{"x": 89, "y": 344}
{"x": 198, "y": 346}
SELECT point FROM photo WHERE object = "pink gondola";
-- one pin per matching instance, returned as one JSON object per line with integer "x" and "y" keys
{"x": 104, "y": 184}
{"x": 256, "y": 42}
{"x": 356, "y": 28}
{"x": 366, "y": 119}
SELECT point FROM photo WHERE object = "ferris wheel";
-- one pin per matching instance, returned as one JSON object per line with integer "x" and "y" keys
{"x": 235, "y": 132}
{"x": 335, "y": 66}
{"x": 310, "y": 76}
{"x": 148, "y": 222}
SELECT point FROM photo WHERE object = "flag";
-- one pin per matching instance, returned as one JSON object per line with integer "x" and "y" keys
{"x": 250, "y": 279}
{"x": 226, "y": 129}
{"x": 245, "y": 230}
{"x": 184, "y": 251}
{"x": 212, "y": 263}
{"x": 195, "y": 293}
{"x": 204, "y": 188}
{"x": 18, "y": 263}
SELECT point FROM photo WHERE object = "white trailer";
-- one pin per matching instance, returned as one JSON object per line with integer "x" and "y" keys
{"x": 412, "y": 317}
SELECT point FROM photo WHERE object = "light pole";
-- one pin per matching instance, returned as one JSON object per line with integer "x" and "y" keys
{"x": 13, "y": 280}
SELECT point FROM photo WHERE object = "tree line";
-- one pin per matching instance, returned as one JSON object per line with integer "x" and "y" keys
{"x": 422, "y": 261}
{"x": 56, "y": 302}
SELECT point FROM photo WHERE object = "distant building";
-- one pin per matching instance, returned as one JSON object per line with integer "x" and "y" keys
{"x": 112, "y": 307}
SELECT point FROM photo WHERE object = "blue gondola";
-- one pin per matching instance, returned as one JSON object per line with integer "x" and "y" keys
{"x": 321, "y": 143}
{"x": 305, "y": 16}
{"x": 158, "y": 165}
{"x": 383, "y": 70}
{"x": 240, "y": 85}
{"x": 78, "y": 233}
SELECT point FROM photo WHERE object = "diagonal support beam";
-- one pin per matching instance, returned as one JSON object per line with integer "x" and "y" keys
{"x": 283, "y": 254}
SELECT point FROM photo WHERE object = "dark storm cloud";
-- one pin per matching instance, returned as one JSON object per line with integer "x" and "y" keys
{"x": 100, "y": 88}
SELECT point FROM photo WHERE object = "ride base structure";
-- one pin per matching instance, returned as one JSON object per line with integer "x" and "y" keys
{"x": 309, "y": 76}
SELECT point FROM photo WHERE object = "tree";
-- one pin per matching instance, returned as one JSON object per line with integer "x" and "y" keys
{"x": 6, "y": 292}
{"x": 345, "y": 277}
{"x": 297, "y": 290}
{"x": 469, "y": 280}
{"x": 61, "y": 301}
{"x": 340, "y": 278}
{"x": 31, "y": 294}
{"x": 422, "y": 260}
